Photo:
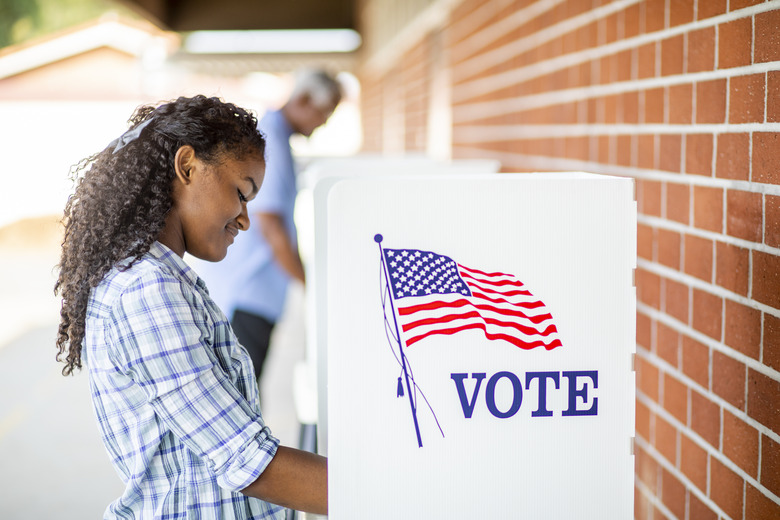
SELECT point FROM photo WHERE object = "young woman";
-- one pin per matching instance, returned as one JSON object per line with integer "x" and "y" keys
{"x": 174, "y": 393}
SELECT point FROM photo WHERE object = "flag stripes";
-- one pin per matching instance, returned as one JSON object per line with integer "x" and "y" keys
{"x": 436, "y": 296}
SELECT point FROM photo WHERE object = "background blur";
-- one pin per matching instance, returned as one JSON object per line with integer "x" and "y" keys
{"x": 681, "y": 95}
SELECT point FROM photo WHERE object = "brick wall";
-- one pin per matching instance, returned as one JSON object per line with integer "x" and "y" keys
{"x": 683, "y": 96}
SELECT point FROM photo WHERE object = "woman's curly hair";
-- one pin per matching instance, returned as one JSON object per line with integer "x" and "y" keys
{"x": 124, "y": 194}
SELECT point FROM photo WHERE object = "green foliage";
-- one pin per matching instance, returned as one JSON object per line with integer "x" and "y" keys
{"x": 13, "y": 12}
{"x": 21, "y": 20}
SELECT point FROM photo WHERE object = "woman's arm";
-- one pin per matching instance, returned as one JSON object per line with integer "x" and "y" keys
{"x": 295, "y": 479}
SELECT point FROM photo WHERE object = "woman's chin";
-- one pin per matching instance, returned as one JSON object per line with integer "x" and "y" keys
{"x": 211, "y": 256}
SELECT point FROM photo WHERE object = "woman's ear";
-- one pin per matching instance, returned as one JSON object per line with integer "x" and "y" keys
{"x": 183, "y": 163}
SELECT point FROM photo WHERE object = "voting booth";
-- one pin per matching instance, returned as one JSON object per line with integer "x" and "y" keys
{"x": 315, "y": 178}
{"x": 480, "y": 336}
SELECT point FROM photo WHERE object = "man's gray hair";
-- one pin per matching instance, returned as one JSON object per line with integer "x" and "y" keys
{"x": 322, "y": 88}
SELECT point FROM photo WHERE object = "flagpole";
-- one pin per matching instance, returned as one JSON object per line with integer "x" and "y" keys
{"x": 378, "y": 240}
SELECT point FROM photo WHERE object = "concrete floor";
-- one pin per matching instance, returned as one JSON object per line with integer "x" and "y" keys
{"x": 53, "y": 462}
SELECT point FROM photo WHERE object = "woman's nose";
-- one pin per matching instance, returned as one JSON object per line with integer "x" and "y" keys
{"x": 243, "y": 218}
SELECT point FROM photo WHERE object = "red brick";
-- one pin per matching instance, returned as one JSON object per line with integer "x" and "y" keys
{"x": 624, "y": 150}
{"x": 740, "y": 443}
{"x": 666, "y": 439}
{"x": 676, "y": 300}
{"x": 735, "y": 40}
{"x": 669, "y": 248}
{"x": 766, "y": 165}
{"x": 630, "y": 103}
{"x": 758, "y": 506}
{"x": 647, "y": 378}
{"x": 771, "y": 356}
{"x": 647, "y": 470}
{"x": 741, "y": 4}
{"x": 646, "y": 151}
{"x": 644, "y": 327}
{"x": 667, "y": 344}
{"x": 705, "y": 418}
{"x": 680, "y": 104}
{"x": 680, "y": 12}
{"x": 732, "y": 268}
{"x": 766, "y": 278}
{"x": 672, "y": 56}
{"x": 770, "y": 462}
{"x": 645, "y": 241}
{"x": 707, "y": 313}
{"x": 763, "y": 404}
{"x": 728, "y": 379}
{"x": 693, "y": 462}
{"x": 624, "y": 66}
{"x": 773, "y": 102}
{"x": 708, "y": 208}
{"x": 726, "y": 488}
{"x": 673, "y": 494}
{"x": 654, "y": 105}
{"x": 711, "y": 101}
{"x": 710, "y": 8}
{"x": 701, "y": 50}
{"x": 654, "y": 15}
{"x": 601, "y": 149}
{"x": 772, "y": 222}
{"x": 631, "y": 21}
{"x": 576, "y": 148}
{"x": 676, "y": 398}
{"x": 743, "y": 329}
{"x": 641, "y": 505}
{"x": 698, "y": 154}
{"x": 670, "y": 153}
{"x": 611, "y": 110}
{"x": 733, "y": 157}
{"x": 649, "y": 197}
{"x": 611, "y": 28}
{"x": 746, "y": 99}
{"x": 678, "y": 197}
{"x": 696, "y": 361}
{"x": 698, "y": 257}
{"x": 699, "y": 510}
{"x": 744, "y": 215}
{"x": 607, "y": 70}
{"x": 646, "y": 61}
{"x": 642, "y": 420}
{"x": 767, "y": 37}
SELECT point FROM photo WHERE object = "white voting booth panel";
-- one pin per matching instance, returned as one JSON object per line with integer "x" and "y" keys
{"x": 480, "y": 338}
{"x": 322, "y": 172}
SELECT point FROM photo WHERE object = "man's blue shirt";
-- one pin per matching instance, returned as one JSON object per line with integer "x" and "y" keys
{"x": 249, "y": 278}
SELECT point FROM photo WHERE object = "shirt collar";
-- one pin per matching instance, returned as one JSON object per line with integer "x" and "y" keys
{"x": 176, "y": 263}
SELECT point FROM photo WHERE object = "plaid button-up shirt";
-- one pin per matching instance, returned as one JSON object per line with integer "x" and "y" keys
{"x": 175, "y": 396}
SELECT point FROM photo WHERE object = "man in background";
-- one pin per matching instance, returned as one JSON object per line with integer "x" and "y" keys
{"x": 250, "y": 284}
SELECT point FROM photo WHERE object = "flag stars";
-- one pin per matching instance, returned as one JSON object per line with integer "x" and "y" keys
{"x": 420, "y": 273}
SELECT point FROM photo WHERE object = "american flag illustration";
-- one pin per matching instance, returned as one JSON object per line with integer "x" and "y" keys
{"x": 433, "y": 294}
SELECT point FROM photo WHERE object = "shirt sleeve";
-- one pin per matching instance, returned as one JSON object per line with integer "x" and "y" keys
{"x": 279, "y": 166}
{"x": 163, "y": 345}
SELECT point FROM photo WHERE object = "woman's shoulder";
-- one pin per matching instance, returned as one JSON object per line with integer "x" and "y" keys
{"x": 146, "y": 274}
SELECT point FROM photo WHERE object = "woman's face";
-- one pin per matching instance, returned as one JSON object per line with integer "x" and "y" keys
{"x": 209, "y": 206}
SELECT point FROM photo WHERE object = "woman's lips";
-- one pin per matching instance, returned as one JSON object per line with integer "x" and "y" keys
{"x": 233, "y": 230}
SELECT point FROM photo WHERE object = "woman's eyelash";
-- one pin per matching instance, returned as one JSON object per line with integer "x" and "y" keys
{"x": 241, "y": 196}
